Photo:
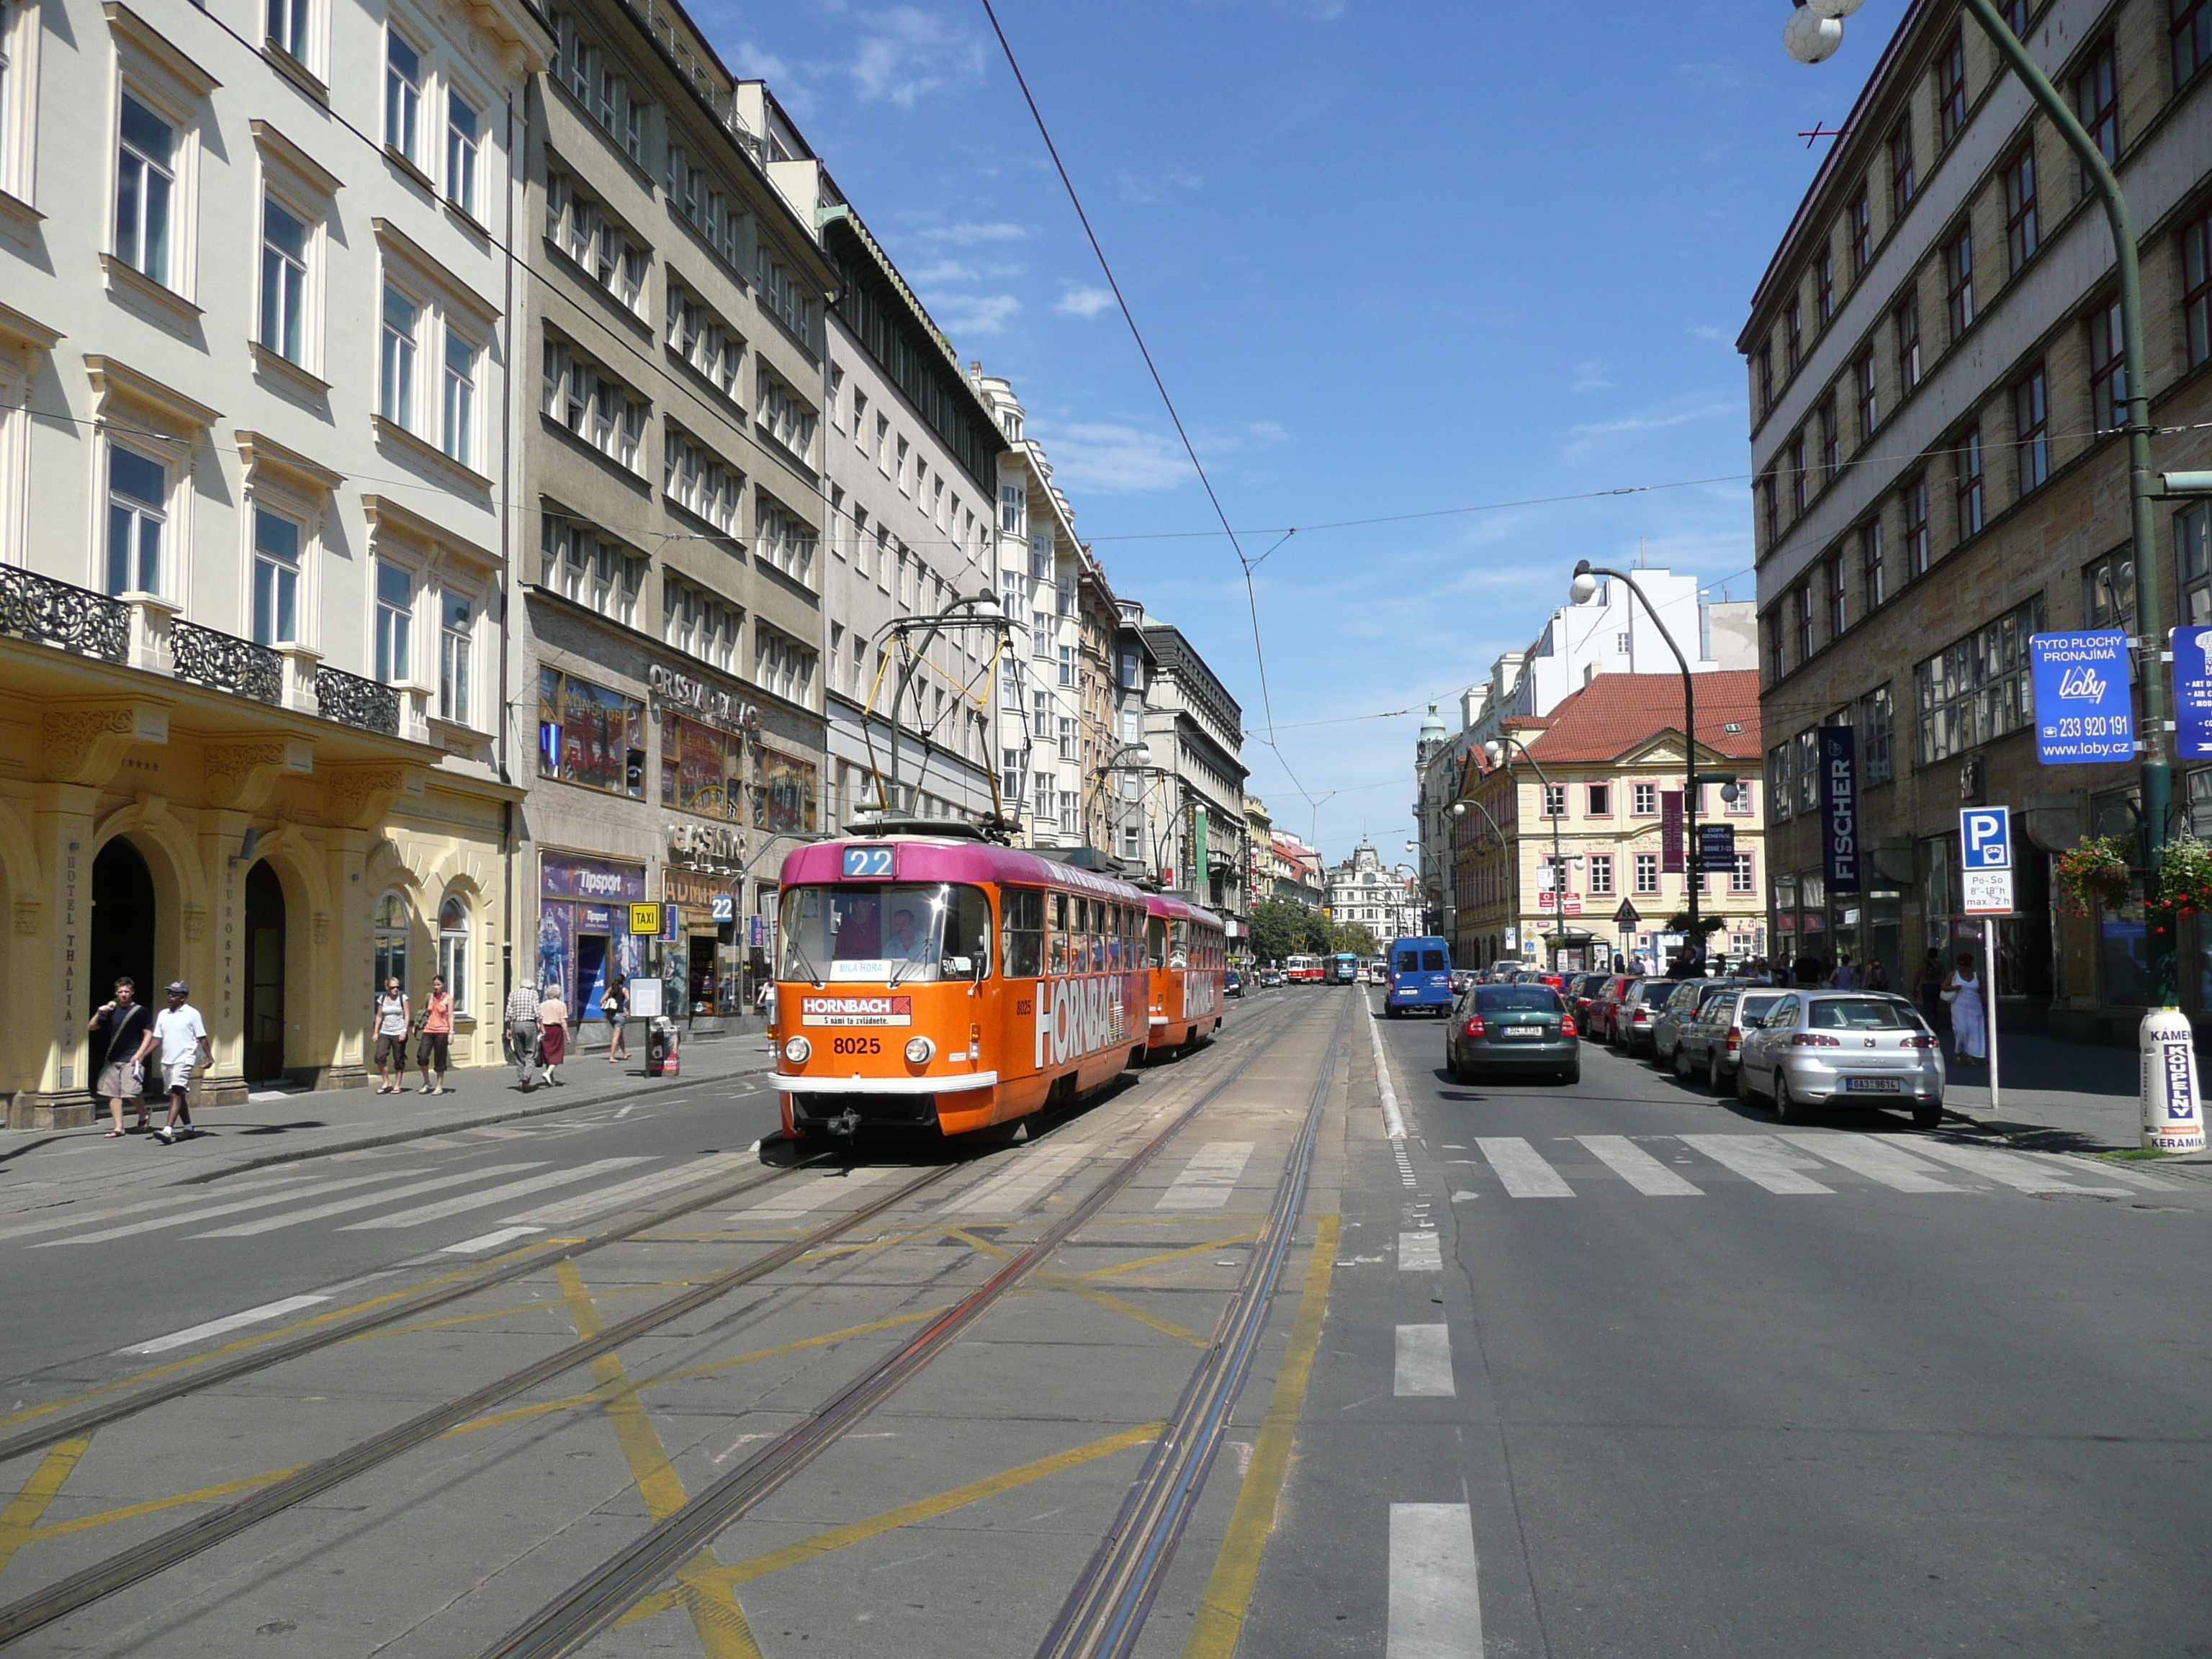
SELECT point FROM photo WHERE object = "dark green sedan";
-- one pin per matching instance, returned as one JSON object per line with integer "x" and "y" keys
{"x": 1512, "y": 1028}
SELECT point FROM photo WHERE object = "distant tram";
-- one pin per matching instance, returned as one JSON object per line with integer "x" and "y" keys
{"x": 1342, "y": 969}
{"x": 1303, "y": 970}
{"x": 934, "y": 981}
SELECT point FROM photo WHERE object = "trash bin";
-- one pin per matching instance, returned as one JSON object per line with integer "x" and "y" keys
{"x": 661, "y": 1058}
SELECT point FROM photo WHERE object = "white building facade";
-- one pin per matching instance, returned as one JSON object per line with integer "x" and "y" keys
{"x": 1383, "y": 898}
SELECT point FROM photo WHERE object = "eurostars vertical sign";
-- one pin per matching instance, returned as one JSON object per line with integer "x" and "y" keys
{"x": 2084, "y": 707}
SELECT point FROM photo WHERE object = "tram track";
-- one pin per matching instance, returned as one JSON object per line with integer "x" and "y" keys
{"x": 107, "y": 1578}
{"x": 594, "y": 1604}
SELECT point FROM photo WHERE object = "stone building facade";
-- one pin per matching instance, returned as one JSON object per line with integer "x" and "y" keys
{"x": 1933, "y": 358}
{"x": 1196, "y": 814}
{"x": 256, "y": 361}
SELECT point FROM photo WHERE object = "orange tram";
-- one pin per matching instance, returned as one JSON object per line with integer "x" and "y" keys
{"x": 929, "y": 980}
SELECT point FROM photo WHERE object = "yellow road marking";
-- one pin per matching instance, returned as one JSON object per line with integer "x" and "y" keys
{"x": 906, "y": 1514}
{"x": 1045, "y": 1280}
{"x": 20, "y": 1520}
{"x": 156, "y": 1506}
{"x": 1167, "y": 1256}
{"x": 1220, "y": 1618}
{"x": 716, "y": 1619}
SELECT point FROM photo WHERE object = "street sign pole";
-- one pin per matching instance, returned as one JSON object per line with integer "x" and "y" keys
{"x": 1985, "y": 860}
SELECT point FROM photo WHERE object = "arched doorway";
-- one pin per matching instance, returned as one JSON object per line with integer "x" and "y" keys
{"x": 264, "y": 973}
{"x": 122, "y": 932}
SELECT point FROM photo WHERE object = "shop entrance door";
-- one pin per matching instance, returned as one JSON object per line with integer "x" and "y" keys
{"x": 265, "y": 975}
{"x": 701, "y": 975}
{"x": 590, "y": 974}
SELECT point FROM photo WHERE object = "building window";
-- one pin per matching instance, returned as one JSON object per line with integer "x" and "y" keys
{"x": 403, "y": 95}
{"x": 390, "y": 940}
{"x": 1972, "y": 499}
{"x": 1041, "y": 715}
{"x": 456, "y": 644}
{"x": 598, "y": 243}
{"x": 1794, "y": 334}
{"x": 1741, "y": 877}
{"x": 1805, "y": 768}
{"x": 1797, "y": 470}
{"x": 590, "y": 736}
{"x": 2023, "y": 226}
{"x": 1858, "y": 225}
{"x": 701, "y": 339}
{"x": 699, "y": 481}
{"x": 1067, "y": 664}
{"x": 2108, "y": 370}
{"x": 1912, "y": 497}
{"x": 1009, "y": 775}
{"x": 1864, "y": 394}
{"x": 1906, "y": 320}
{"x": 1824, "y": 286}
{"x": 1555, "y": 801}
{"x": 1874, "y": 586}
{"x": 1770, "y": 510}
{"x": 1959, "y": 280}
{"x": 1600, "y": 875}
{"x": 1877, "y": 717}
{"x": 276, "y": 578}
{"x": 145, "y": 190}
{"x": 594, "y": 405}
{"x": 2108, "y": 590}
{"x": 1901, "y": 180}
{"x": 1777, "y": 656}
{"x": 395, "y": 397}
{"x": 1647, "y": 874}
{"x": 1800, "y": 610}
{"x": 1766, "y": 376}
{"x": 137, "y": 521}
{"x": 461, "y": 399}
{"x": 1066, "y": 738}
{"x": 2031, "y": 425}
{"x": 2192, "y": 558}
{"x": 1644, "y": 799}
{"x": 1779, "y": 795}
{"x": 453, "y": 952}
{"x": 1832, "y": 442}
{"x": 1601, "y": 800}
{"x": 589, "y": 569}
{"x": 283, "y": 280}
{"x": 1832, "y": 581}
{"x": 1951, "y": 89}
{"x": 2097, "y": 102}
{"x": 395, "y": 623}
{"x": 464, "y": 147}
{"x": 2197, "y": 279}
{"x": 2015, "y": 16}
{"x": 288, "y": 29}
{"x": 1977, "y": 688}
{"x": 2192, "y": 37}
{"x": 789, "y": 420}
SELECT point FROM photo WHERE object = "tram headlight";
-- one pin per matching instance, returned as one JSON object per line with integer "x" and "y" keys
{"x": 919, "y": 1050}
{"x": 797, "y": 1050}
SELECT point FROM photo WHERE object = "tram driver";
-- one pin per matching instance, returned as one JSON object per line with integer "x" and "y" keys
{"x": 906, "y": 943}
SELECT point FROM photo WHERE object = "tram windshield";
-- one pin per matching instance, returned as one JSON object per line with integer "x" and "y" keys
{"x": 883, "y": 933}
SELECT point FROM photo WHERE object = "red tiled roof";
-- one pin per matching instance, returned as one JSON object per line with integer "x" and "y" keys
{"x": 1615, "y": 713}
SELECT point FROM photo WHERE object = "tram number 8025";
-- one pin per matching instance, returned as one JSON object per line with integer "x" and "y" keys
{"x": 856, "y": 1045}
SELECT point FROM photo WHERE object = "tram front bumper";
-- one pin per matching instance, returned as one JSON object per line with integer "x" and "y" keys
{"x": 904, "y": 1101}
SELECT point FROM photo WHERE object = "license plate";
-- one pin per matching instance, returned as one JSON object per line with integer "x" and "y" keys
{"x": 1874, "y": 1086}
{"x": 1524, "y": 1030}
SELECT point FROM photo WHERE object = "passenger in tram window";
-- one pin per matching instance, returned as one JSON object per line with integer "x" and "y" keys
{"x": 1057, "y": 909}
{"x": 907, "y": 943}
{"x": 1114, "y": 939}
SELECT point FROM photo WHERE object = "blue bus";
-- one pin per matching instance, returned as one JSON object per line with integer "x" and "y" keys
{"x": 1420, "y": 977}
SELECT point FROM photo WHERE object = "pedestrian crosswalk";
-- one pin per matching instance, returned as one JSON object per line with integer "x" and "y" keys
{"x": 1795, "y": 1163}
{"x": 1208, "y": 1179}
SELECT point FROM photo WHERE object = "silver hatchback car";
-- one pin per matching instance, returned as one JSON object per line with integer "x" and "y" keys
{"x": 1819, "y": 1047}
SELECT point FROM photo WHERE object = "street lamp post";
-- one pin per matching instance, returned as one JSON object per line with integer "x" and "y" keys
{"x": 1496, "y": 752}
{"x": 1810, "y": 41}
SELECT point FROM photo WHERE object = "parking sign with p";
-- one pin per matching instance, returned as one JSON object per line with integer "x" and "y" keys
{"x": 1985, "y": 861}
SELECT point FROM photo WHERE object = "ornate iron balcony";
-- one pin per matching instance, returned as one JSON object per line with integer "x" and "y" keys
{"x": 356, "y": 702}
{"x": 41, "y": 609}
{"x": 207, "y": 656}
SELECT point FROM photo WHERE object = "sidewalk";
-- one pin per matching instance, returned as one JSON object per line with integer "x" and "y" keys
{"x": 2059, "y": 1097}
{"x": 280, "y": 1127}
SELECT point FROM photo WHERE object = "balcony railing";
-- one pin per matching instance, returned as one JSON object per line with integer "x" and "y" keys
{"x": 353, "y": 700}
{"x": 209, "y": 656}
{"x": 79, "y": 620}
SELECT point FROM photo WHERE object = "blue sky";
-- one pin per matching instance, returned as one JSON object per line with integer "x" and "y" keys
{"x": 1391, "y": 258}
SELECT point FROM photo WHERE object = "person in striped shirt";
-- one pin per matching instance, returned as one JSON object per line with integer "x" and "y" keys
{"x": 522, "y": 1031}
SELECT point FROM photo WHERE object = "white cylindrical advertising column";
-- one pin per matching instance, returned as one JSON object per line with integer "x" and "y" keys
{"x": 2172, "y": 1110}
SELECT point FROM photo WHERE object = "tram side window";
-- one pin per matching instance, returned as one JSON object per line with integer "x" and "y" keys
{"x": 1022, "y": 948}
{"x": 1179, "y": 942}
{"x": 1116, "y": 927}
{"x": 1155, "y": 936}
{"x": 1056, "y": 949}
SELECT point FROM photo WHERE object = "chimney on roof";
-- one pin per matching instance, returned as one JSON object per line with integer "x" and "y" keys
{"x": 1591, "y": 670}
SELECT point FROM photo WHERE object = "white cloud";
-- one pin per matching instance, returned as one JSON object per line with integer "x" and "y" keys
{"x": 975, "y": 313}
{"x": 905, "y": 54}
{"x": 1654, "y": 423}
{"x": 967, "y": 233}
{"x": 1590, "y": 375}
{"x": 1115, "y": 458}
{"x": 1135, "y": 187}
{"x": 1084, "y": 301}
{"x": 945, "y": 271}
{"x": 1706, "y": 331}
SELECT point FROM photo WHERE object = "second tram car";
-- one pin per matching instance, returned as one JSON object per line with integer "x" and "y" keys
{"x": 1303, "y": 970}
{"x": 1342, "y": 969}
{"x": 931, "y": 981}
{"x": 1186, "y": 948}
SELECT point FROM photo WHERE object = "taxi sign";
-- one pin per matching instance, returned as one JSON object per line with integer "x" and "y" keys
{"x": 645, "y": 919}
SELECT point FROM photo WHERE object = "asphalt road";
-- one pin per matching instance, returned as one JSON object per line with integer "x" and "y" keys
{"x": 1674, "y": 1385}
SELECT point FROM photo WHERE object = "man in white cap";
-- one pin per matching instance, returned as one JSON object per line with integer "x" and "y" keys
{"x": 522, "y": 1030}
{"x": 182, "y": 1036}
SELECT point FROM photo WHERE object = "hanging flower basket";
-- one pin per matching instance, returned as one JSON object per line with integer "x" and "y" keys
{"x": 2184, "y": 877}
{"x": 2097, "y": 869}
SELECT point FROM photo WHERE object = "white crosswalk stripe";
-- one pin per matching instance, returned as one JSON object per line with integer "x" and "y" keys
{"x": 1032, "y": 1175}
{"x": 1436, "y": 1599}
{"x": 58, "y": 1216}
{"x": 222, "y": 1327}
{"x": 1521, "y": 1168}
{"x": 185, "y": 1218}
{"x": 491, "y": 1196}
{"x": 810, "y": 1192}
{"x": 1421, "y": 1253}
{"x": 1638, "y": 1168}
{"x": 1423, "y": 1369}
{"x": 1876, "y": 1159}
{"x": 1762, "y": 1160}
{"x": 583, "y": 1207}
{"x": 1208, "y": 1179}
{"x": 2017, "y": 1169}
{"x": 270, "y": 1224}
